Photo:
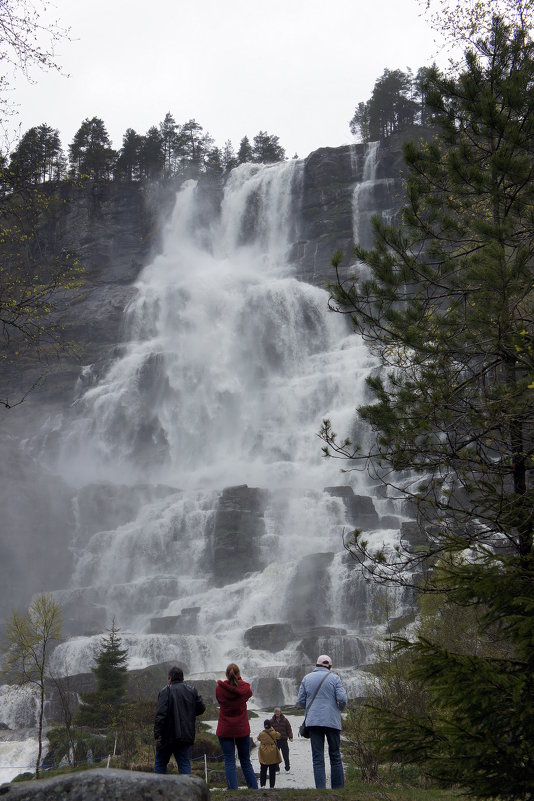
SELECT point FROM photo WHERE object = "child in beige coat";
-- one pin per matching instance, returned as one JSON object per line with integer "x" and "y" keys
{"x": 268, "y": 753}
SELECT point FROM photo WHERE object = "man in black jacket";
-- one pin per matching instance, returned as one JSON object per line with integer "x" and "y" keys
{"x": 174, "y": 727}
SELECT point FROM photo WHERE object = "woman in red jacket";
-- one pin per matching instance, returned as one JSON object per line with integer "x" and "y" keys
{"x": 233, "y": 728}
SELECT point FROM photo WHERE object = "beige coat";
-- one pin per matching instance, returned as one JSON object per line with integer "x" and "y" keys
{"x": 268, "y": 752}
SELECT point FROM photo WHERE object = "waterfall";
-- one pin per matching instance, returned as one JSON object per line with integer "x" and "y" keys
{"x": 231, "y": 363}
{"x": 17, "y": 756}
{"x": 369, "y": 195}
{"x": 202, "y": 521}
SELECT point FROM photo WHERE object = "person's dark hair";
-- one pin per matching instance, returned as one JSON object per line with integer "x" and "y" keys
{"x": 176, "y": 674}
{"x": 233, "y": 674}
{"x": 267, "y": 724}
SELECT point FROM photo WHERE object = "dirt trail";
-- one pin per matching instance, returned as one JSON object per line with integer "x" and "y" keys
{"x": 300, "y": 775}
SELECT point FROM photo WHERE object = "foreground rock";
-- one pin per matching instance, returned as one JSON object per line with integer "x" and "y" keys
{"x": 109, "y": 785}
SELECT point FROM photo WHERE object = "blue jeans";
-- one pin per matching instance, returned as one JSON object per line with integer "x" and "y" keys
{"x": 181, "y": 755}
{"x": 333, "y": 737}
{"x": 228, "y": 746}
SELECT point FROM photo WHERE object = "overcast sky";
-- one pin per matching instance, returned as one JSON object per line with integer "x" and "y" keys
{"x": 294, "y": 68}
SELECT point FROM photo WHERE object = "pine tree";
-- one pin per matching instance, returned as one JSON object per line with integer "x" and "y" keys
{"x": 360, "y": 123}
{"x": 105, "y": 706}
{"x": 192, "y": 144}
{"x": 90, "y": 152}
{"x": 170, "y": 143}
{"x": 229, "y": 158}
{"x": 38, "y": 156}
{"x": 267, "y": 149}
{"x": 244, "y": 154}
{"x": 448, "y": 308}
{"x": 214, "y": 161}
{"x": 151, "y": 155}
{"x": 390, "y": 109}
{"x": 127, "y": 164}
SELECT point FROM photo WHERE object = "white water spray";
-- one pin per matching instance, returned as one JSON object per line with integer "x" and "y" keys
{"x": 231, "y": 362}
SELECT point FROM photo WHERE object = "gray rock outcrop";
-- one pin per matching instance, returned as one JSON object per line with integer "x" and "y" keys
{"x": 269, "y": 636}
{"x": 237, "y": 530}
{"x": 413, "y": 536}
{"x": 361, "y": 510}
{"x": 109, "y": 785}
{"x": 345, "y": 651}
{"x": 308, "y": 584}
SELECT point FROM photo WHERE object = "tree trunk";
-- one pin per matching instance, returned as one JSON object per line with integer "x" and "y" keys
{"x": 524, "y": 523}
{"x": 40, "y": 733}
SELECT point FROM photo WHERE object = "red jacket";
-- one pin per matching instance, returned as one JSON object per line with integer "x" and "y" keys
{"x": 233, "y": 721}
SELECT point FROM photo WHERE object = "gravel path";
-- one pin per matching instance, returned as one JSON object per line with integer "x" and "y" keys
{"x": 300, "y": 775}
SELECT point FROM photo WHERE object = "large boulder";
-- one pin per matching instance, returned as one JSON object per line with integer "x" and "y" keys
{"x": 184, "y": 623}
{"x": 413, "y": 536}
{"x": 345, "y": 651}
{"x": 360, "y": 508}
{"x": 268, "y": 691}
{"x": 109, "y": 785}
{"x": 327, "y": 186}
{"x": 309, "y": 586}
{"x": 238, "y": 527}
{"x": 269, "y": 636}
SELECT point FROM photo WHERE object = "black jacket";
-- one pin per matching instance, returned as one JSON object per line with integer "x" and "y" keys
{"x": 178, "y": 706}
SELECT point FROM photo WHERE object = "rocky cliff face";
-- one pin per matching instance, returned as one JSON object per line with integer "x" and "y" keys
{"x": 332, "y": 178}
{"x": 115, "y": 229}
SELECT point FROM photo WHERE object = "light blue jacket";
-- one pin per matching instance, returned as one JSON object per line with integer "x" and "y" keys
{"x": 329, "y": 702}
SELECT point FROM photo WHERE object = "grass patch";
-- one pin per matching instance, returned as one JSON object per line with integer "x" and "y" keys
{"x": 397, "y": 784}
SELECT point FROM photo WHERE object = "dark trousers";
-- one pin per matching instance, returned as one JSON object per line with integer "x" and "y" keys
{"x": 284, "y": 748}
{"x": 180, "y": 753}
{"x": 333, "y": 738}
{"x": 272, "y": 775}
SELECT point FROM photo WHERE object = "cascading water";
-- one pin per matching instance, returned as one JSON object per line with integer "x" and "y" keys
{"x": 230, "y": 365}
{"x": 19, "y": 709}
{"x": 362, "y": 208}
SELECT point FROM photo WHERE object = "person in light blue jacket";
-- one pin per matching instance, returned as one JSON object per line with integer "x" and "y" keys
{"x": 323, "y": 719}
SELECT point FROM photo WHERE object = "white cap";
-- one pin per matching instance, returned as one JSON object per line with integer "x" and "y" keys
{"x": 324, "y": 660}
